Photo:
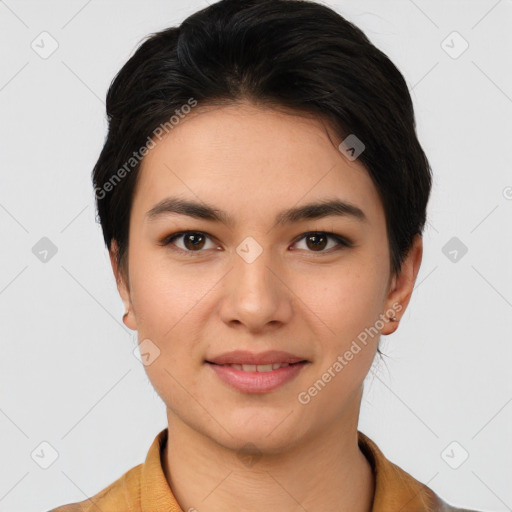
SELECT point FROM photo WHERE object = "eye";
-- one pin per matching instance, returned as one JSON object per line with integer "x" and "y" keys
{"x": 192, "y": 241}
{"x": 195, "y": 241}
{"x": 318, "y": 241}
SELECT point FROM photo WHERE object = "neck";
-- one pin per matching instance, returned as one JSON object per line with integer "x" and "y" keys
{"x": 325, "y": 473}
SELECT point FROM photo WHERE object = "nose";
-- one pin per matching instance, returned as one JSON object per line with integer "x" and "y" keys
{"x": 256, "y": 295}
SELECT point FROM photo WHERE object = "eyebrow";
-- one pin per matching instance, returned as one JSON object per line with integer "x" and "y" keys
{"x": 316, "y": 210}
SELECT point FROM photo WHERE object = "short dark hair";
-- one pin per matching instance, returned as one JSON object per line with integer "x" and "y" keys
{"x": 292, "y": 54}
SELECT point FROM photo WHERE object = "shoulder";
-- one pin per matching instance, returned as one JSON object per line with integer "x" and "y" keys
{"x": 120, "y": 496}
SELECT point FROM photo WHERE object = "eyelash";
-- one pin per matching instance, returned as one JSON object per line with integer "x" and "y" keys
{"x": 343, "y": 242}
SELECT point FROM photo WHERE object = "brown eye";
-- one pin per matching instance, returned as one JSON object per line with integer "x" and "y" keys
{"x": 191, "y": 241}
{"x": 318, "y": 241}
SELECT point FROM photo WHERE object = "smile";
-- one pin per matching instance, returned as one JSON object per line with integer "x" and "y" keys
{"x": 261, "y": 378}
{"x": 257, "y": 367}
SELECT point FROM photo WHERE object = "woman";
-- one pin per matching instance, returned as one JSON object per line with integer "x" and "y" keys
{"x": 262, "y": 194}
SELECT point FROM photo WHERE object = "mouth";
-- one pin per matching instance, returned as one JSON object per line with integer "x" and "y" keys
{"x": 262, "y": 368}
{"x": 257, "y": 378}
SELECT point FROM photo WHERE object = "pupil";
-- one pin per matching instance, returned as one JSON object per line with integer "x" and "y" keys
{"x": 317, "y": 245}
{"x": 189, "y": 238}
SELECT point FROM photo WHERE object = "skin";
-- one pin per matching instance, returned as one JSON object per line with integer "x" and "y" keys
{"x": 253, "y": 162}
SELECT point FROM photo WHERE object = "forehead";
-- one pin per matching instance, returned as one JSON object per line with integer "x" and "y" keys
{"x": 247, "y": 158}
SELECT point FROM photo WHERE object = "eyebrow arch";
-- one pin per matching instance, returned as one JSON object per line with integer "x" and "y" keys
{"x": 316, "y": 210}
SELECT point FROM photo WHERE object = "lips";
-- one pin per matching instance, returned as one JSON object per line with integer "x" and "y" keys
{"x": 256, "y": 361}
{"x": 248, "y": 381}
{"x": 257, "y": 367}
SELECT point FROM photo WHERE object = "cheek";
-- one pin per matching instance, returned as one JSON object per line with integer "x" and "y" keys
{"x": 163, "y": 295}
{"x": 349, "y": 304}
{"x": 164, "y": 301}
{"x": 344, "y": 298}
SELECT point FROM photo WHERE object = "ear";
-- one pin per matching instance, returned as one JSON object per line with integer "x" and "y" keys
{"x": 123, "y": 287}
{"x": 402, "y": 285}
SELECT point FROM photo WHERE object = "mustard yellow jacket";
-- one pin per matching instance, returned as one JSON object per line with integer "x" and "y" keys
{"x": 144, "y": 488}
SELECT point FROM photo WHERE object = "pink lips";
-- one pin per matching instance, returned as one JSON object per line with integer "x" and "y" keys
{"x": 244, "y": 357}
{"x": 254, "y": 381}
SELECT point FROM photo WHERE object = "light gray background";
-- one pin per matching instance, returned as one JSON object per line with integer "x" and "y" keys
{"x": 68, "y": 373}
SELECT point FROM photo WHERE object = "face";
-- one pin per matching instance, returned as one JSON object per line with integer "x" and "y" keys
{"x": 247, "y": 277}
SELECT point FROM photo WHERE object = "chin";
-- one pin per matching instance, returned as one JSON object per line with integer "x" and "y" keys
{"x": 260, "y": 432}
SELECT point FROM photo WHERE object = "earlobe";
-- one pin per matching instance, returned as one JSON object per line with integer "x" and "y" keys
{"x": 129, "y": 321}
{"x": 391, "y": 325}
{"x": 126, "y": 320}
